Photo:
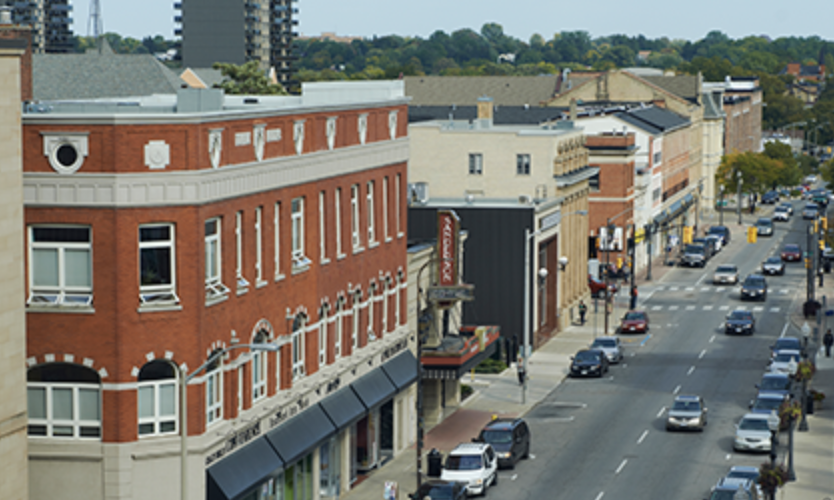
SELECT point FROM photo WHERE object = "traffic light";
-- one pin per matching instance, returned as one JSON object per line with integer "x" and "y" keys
{"x": 816, "y": 226}
{"x": 822, "y": 244}
{"x": 824, "y": 222}
{"x": 751, "y": 234}
{"x": 687, "y": 235}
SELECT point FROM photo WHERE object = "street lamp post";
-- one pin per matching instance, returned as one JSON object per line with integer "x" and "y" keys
{"x": 721, "y": 206}
{"x": 738, "y": 208}
{"x": 773, "y": 425}
{"x": 649, "y": 236}
{"x": 184, "y": 379}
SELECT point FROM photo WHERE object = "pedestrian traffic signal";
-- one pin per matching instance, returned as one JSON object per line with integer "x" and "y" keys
{"x": 751, "y": 235}
{"x": 687, "y": 235}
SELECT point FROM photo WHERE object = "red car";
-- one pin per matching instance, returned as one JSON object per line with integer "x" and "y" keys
{"x": 791, "y": 253}
{"x": 635, "y": 322}
{"x": 597, "y": 287}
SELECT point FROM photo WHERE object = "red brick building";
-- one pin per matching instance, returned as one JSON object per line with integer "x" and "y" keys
{"x": 164, "y": 231}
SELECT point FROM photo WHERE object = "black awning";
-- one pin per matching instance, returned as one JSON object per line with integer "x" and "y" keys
{"x": 343, "y": 408}
{"x": 301, "y": 434}
{"x": 241, "y": 471}
{"x": 374, "y": 388}
{"x": 402, "y": 370}
{"x": 456, "y": 372}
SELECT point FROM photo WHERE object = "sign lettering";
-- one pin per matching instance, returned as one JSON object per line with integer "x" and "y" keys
{"x": 448, "y": 226}
{"x": 239, "y": 439}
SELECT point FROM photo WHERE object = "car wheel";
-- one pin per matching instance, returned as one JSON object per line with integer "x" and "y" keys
{"x": 526, "y": 451}
{"x": 495, "y": 479}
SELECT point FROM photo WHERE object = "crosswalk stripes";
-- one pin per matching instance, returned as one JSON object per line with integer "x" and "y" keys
{"x": 690, "y": 289}
{"x": 709, "y": 289}
{"x": 758, "y": 309}
{"x": 705, "y": 288}
{"x": 783, "y": 292}
{"x": 671, "y": 288}
{"x": 724, "y": 308}
{"x": 690, "y": 308}
{"x": 774, "y": 309}
{"x": 707, "y": 308}
{"x": 673, "y": 308}
{"x": 740, "y": 307}
{"x": 657, "y": 308}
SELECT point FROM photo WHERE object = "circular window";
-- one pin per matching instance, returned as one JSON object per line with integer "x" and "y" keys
{"x": 66, "y": 155}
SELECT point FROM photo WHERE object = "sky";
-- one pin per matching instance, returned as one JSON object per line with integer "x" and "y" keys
{"x": 520, "y": 18}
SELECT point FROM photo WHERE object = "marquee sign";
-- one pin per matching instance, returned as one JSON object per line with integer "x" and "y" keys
{"x": 448, "y": 247}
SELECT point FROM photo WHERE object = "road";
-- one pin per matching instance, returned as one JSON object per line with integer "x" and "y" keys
{"x": 606, "y": 438}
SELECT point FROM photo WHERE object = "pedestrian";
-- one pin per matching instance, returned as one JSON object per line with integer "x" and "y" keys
{"x": 583, "y": 309}
{"x": 828, "y": 340}
{"x": 521, "y": 372}
{"x": 634, "y": 297}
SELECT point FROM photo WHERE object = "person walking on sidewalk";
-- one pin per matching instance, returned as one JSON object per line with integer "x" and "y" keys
{"x": 634, "y": 297}
{"x": 583, "y": 309}
{"x": 828, "y": 340}
{"x": 521, "y": 373}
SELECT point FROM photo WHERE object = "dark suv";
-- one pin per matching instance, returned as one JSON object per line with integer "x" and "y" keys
{"x": 754, "y": 288}
{"x": 509, "y": 437}
{"x": 723, "y": 232}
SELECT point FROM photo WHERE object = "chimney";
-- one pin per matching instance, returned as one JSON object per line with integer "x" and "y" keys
{"x": 484, "y": 112}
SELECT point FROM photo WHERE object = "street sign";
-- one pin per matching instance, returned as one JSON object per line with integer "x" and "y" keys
{"x": 450, "y": 293}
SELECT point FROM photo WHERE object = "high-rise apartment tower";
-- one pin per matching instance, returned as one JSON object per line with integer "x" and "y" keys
{"x": 50, "y": 22}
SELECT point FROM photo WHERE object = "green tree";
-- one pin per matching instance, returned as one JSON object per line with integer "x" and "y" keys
{"x": 247, "y": 78}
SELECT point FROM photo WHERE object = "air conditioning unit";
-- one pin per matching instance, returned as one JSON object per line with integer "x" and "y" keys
{"x": 418, "y": 192}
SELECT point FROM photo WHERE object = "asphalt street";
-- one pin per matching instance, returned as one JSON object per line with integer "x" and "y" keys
{"x": 606, "y": 438}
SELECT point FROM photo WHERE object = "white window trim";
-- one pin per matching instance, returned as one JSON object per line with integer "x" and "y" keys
{"x": 322, "y": 230}
{"x": 397, "y": 313}
{"x": 242, "y": 283}
{"x": 158, "y": 419}
{"x": 476, "y": 160}
{"x": 386, "y": 294}
{"x": 300, "y": 261}
{"x": 159, "y": 295}
{"x": 323, "y": 338}
{"x": 369, "y": 204}
{"x": 259, "y": 375}
{"x": 338, "y": 332}
{"x": 278, "y": 371}
{"x": 277, "y": 223}
{"x": 354, "y": 219}
{"x": 298, "y": 338}
{"x": 338, "y": 204}
{"x": 240, "y": 389}
{"x": 214, "y": 405}
{"x": 397, "y": 187}
{"x": 371, "y": 299}
{"x": 76, "y": 423}
{"x": 259, "y": 248}
{"x": 354, "y": 333}
{"x": 385, "y": 207}
{"x": 215, "y": 289}
{"x": 62, "y": 295}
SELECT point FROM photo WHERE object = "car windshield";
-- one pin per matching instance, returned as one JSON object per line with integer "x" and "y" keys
{"x": 773, "y": 260}
{"x": 775, "y": 384}
{"x": 791, "y": 248}
{"x": 743, "y": 474}
{"x": 781, "y": 208}
{"x": 786, "y": 343}
{"x": 726, "y": 269}
{"x": 737, "y": 315}
{"x": 497, "y": 437}
{"x": 810, "y": 206}
{"x": 686, "y": 406}
{"x": 755, "y": 281}
{"x": 436, "y": 492}
{"x": 764, "y": 222}
{"x": 767, "y": 404}
{"x": 587, "y": 356}
{"x": 604, "y": 343}
{"x": 694, "y": 249}
{"x": 716, "y": 230}
{"x": 753, "y": 424}
{"x": 635, "y": 316}
{"x": 785, "y": 357}
{"x": 463, "y": 462}
{"x": 723, "y": 495}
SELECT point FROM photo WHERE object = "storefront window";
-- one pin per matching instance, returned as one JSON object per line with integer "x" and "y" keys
{"x": 330, "y": 467}
{"x": 271, "y": 489}
{"x": 298, "y": 480}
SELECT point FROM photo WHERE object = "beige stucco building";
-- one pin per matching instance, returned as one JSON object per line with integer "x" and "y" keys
{"x": 14, "y": 477}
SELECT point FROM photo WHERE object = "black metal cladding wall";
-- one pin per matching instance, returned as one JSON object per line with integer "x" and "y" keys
{"x": 493, "y": 261}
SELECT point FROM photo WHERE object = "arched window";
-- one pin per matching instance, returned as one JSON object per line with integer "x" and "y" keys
{"x": 299, "y": 327}
{"x": 157, "y": 398}
{"x": 214, "y": 390}
{"x": 64, "y": 401}
{"x": 259, "y": 368}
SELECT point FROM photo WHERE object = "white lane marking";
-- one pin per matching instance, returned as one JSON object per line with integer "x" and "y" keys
{"x": 673, "y": 289}
{"x": 728, "y": 457}
{"x": 690, "y": 308}
{"x": 532, "y": 457}
{"x": 707, "y": 308}
{"x": 691, "y": 369}
{"x": 712, "y": 339}
{"x": 758, "y": 309}
{"x": 660, "y": 413}
{"x": 701, "y": 280}
{"x": 648, "y": 296}
{"x": 673, "y": 308}
{"x": 783, "y": 292}
{"x": 690, "y": 289}
{"x": 741, "y": 308}
{"x": 620, "y": 468}
{"x": 513, "y": 477}
{"x": 703, "y": 353}
{"x": 784, "y": 330}
{"x": 599, "y": 497}
{"x": 657, "y": 308}
{"x": 677, "y": 390}
{"x": 643, "y": 436}
{"x": 774, "y": 309}
{"x": 724, "y": 308}
{"x": 705, "y": 288}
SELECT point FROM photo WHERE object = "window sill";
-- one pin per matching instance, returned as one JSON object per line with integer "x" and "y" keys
{"x": 373, "y": 244}
{"x": 43, "y": 308}
{"x": 300, "y": 269}
{"x": 324, "y": 261}
{"x": 260, "y": 283}
{"x": 357, "y": 250}
{"x": 242, "y": 291}
{"x": 400, "y": 235}
{"x": 159, "y": 308}
{"x": 388, "y": 239}
{"x": 279, "y": 277}
{"x": 341, "y": 256}
{"x": 216, "y": 300}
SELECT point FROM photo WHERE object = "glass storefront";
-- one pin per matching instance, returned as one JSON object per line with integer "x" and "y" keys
{"x": 329, "y": 468}
{"x": 272, "y": 489}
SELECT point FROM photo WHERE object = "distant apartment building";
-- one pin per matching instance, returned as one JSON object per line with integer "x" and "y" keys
{"x": 49, "y": 21}
{"x": 238, "y": 32}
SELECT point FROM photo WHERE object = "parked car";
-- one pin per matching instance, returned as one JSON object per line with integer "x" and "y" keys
{"x": 781, "y": 214}
{"x": 687, "y": 413}
{"x": 770, "y": 197}
{"x": 598, "y": 287}
{"x": 610, "y": 346}
{"x": 776, "y": 383}
{"x": 792, "y": 253}
{"x": 475, "y": 465}
{"x": 635, "y": 322}
{"x": 589, "y": 363}
{"x": 780, "y": 363}
{"x": 766, "y": 402}
{"x": 787, "y": 206}
{"x": 740, "y": 322}
{"x": 754, "y": 288}
{"x": 752, "y": 433}
{"x": 735, "y": 489}
{"x": 694, "y": 256}
{"x": 441, "y": 490}
{"x": 773, "y": 265}
{"x": 709, "y": 244}
{"x": 764, "y": 226}
{"x": 810, "y": 211}
{"x": 717, "y": 241}
{"x": 743, "y": 472}
{"x": 722, "y": 231}
{"x": 725, "y": 274}
{"x": 785, "y": 343}
{"x": 509, "y": 437}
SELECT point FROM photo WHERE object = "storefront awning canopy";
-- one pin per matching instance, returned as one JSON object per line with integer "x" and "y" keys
{"x": 374, "y": 388}
{"x": 231, "y": 477}
{"x": 343, "y": 408}
{"x": 457, "y": 371}
{"x": 301, "y": 434}
{"x": 402, "y": 370}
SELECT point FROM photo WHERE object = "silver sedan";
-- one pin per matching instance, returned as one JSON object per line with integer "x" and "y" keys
{"x": 725, "y": 274}
{"x": 610, "y": 346}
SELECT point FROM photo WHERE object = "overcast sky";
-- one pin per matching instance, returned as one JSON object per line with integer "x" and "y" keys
{"x": 520, "y": 18}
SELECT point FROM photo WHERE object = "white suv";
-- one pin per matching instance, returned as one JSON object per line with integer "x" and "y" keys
{"x": 473, "y": 464}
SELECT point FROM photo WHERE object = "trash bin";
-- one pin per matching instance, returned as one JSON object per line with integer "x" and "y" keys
{"x": 435, "y": 463}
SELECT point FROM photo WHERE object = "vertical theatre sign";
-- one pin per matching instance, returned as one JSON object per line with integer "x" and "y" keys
{"x": 449, "y": 288}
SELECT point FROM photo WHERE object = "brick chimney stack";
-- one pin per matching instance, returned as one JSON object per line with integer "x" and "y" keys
{"x": 23, "y": 36}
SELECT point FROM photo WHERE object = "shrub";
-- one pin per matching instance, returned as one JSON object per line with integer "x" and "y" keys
{"x": 817, "y": 395}
{"x": 465, "y": 391}
{"x": 788, "y": 411}
{"x": 490, "y": 365}
{"x": 804, "y": 370}
{"x": 771, "y": 478}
